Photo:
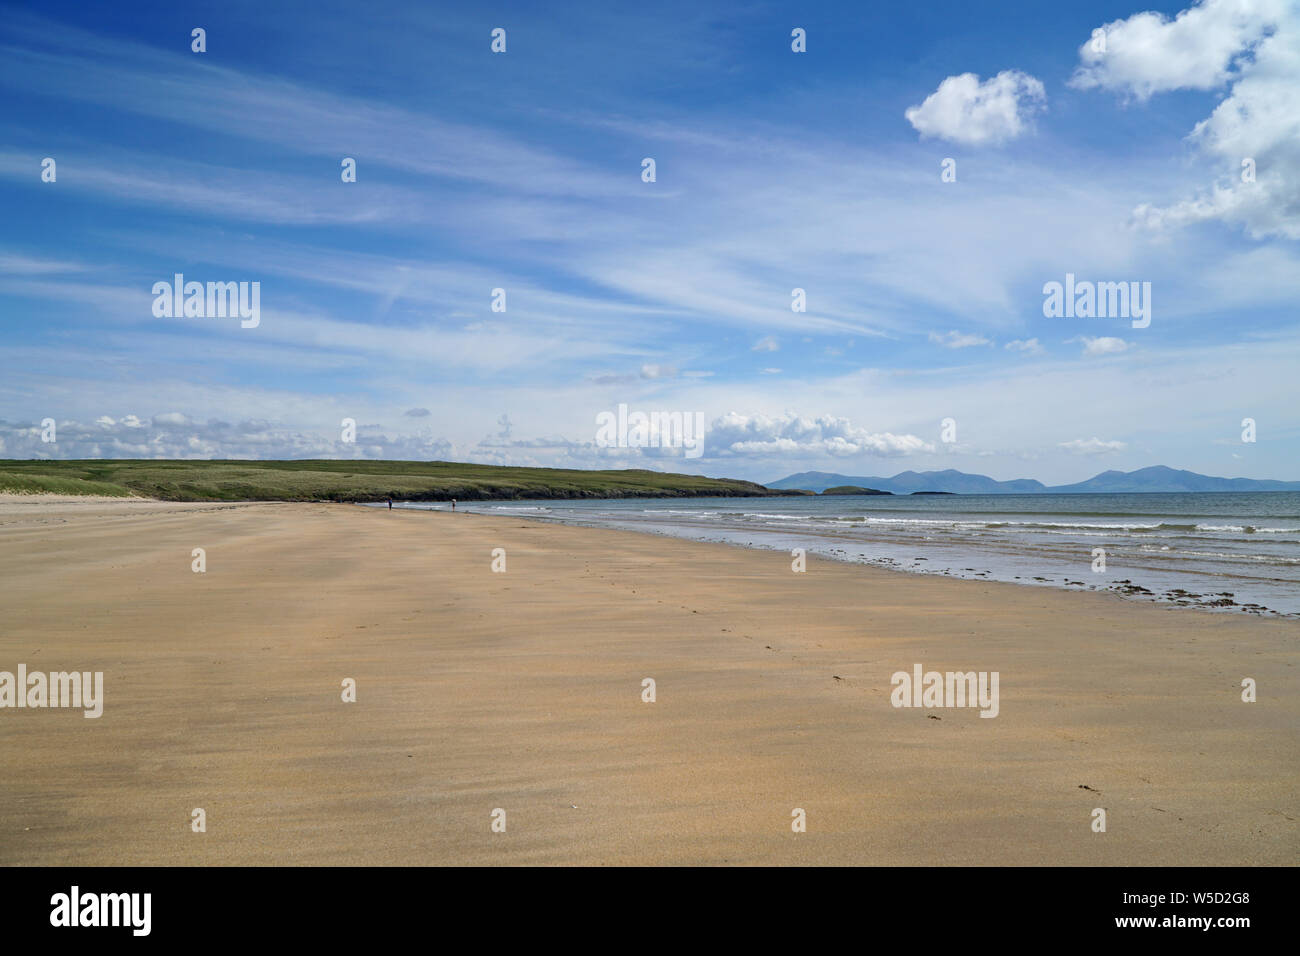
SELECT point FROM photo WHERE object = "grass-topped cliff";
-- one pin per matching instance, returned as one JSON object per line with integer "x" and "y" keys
{"x": 332, "y": 480}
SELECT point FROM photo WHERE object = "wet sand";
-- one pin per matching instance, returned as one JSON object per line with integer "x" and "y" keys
{"x": 523, "y": 691}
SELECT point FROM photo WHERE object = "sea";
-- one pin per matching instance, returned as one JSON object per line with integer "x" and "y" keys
{"x": 1226, "y": 551}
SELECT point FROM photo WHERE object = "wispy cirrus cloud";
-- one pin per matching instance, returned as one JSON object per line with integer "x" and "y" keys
{"x": 518, "y": 173}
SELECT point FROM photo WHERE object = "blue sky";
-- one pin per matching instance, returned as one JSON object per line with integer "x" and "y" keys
{"x": 775, "y": 170}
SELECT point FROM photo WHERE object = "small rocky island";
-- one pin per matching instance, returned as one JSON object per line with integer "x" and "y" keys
{"x": 854, "y": 490}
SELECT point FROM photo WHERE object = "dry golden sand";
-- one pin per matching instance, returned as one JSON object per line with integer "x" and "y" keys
{"x": 523, "y": 691}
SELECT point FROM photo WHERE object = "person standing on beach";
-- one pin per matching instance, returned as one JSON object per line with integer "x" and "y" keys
{"x": 390, "y": 504}
{"x": 453, "y": 504}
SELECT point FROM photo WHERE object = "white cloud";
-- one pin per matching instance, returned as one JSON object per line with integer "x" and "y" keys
{"x": 766, "y": 344}
{"x": 957, "y": 340}
{"x": 1101, "y": 345}
{"x": 759, "y": 435}
{"x": 736, "y": 436}
{"x": 1251, "y": 46}
{"x": 1092, "y": 446}
{"x": 647, "y": 372}
{"x": 1197, "y": 50}
{"x": 1029, "y": 346}
{"x": 26, "y": 265}
{"x": 964, "y": 110}
{"x": 176, "y": 436}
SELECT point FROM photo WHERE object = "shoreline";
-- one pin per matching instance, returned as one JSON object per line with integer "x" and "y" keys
{"x": 1209, "y": 601}
{"x": 523, "y": 690}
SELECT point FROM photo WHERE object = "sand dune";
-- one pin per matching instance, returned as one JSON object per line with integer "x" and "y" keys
{"x": 522, "y": 690}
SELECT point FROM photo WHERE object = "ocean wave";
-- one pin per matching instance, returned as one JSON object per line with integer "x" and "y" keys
{"x": 1221, "y": 555}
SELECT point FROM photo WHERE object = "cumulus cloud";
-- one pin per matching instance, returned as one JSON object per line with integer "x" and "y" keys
{"x": 106, "y": 422}
{"x": 1101, "y": 345}
{"x": 958, "y": 340}
{"x": 1092, "y": 446}
{"x": 172, "y": 435}
{"x": 964, "y": 110}
{"x": 732, "y": 436}
{"x": 1029, "y": 346}
{"x": 792, "y": 435}
{"x": 1199, "y": 49}
{"x": 766, "y": 344}
{"x": 1252, "y": 136}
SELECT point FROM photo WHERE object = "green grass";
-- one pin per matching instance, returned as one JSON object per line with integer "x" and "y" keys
{"x": 333, "y": 480}
{"x": 57, "y": 485}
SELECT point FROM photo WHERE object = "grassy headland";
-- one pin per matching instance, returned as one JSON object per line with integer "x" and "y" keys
{"x": 854, "y": 490}
{"x": 333, "y": 480}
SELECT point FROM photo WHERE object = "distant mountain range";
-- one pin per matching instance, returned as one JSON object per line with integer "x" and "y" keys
{"x": 1157, "y": 478}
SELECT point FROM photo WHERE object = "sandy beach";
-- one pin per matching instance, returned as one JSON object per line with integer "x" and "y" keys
{"x": 522, "y": 690}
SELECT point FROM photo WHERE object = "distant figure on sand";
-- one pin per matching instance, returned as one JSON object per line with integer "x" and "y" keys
{"x": 390, "y": 504}
{"x": 453, "y": 504}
